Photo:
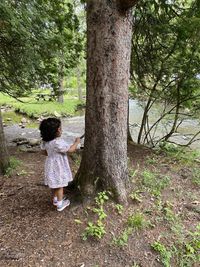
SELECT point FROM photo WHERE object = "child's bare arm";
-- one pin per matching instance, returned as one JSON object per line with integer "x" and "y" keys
{"x": 75, "y": 144}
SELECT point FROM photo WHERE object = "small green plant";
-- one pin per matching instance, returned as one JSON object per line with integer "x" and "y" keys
{"x": 132, "y": 172}
{"x": 135, "y": 196}
{"x": 13, "y": 164}
{"x": 149, "y": 178}
{"x": 101, "y": 198}
{"x": 100, "y": 212}
{"x": 96, "y": 230}
{"x": 137, "y": 221}
{"x": 162, "y": 182}
{"x": 122, "y": 240}
{"x": 154, "y": 182}
{"x": 165, "y": 254}
{"x": 151, "y": 160}
{"x": 187, "y": 250}
{"x": 119, "y": 208}
{"x": 168, "y": 212}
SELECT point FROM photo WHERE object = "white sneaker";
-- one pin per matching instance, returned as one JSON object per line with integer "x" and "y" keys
{"x": 55, "y": 203}
{"x": 65, "y": 203}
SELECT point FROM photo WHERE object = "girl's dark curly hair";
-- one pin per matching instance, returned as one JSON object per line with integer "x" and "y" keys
{"x": 49, "y": 128}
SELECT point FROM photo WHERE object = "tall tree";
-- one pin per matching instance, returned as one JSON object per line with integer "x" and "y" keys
{"x": 104, "y": 161}
{"x": 64, "y": 44}
{"x": 39, "y": 43}
{"x": 165, "y": 61}
{"x": 32, "y": 45}
{"x": 4, "y": 156}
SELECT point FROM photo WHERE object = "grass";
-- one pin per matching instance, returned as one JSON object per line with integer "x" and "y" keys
{"x": 34, "y": 109}
{"x": 137, "y": 221}
{"x": 196, "y": 176}
{"x": 154, "y": 182}
{"x": 11, "y": 117}
{"x": 184, "y": 251}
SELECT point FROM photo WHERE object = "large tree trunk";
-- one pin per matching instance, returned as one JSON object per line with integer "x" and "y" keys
{"x": 104, "y": 160}
{"x": 4, "y": 157}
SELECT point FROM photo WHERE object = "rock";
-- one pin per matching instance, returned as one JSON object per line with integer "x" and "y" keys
{"x": 23, "y": 120}
{"x": 33, "y": 150}
{"x": 20, "y": 140}
{"x": 23, "y": 148}
{"x": 34, "y": 142}
{"x": 41, "y": 118}
{"x": 57, "y": 114}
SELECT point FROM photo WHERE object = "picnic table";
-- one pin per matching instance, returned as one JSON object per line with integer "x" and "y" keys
{"x": 45, "y": 97}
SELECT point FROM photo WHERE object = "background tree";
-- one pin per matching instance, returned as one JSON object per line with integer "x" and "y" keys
{"x": 104, "y": 161}
{"x": 4, "y": 156}
{"x": 165, "y": 60}
{"x": 38, "y": 41}
{"x": 63, "y": 45}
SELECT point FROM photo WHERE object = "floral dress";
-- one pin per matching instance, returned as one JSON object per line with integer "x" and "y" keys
{"x": 57, "y": 170}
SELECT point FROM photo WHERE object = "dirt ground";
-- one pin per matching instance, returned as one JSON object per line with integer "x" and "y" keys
{"x": 33, "y": 233}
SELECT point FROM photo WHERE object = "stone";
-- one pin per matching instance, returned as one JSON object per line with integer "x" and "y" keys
{"x": 57, "y": 114}
{"x": 34, "y": 141}
{"x": 23, "y": 120}
{"x": 21, "y": 140}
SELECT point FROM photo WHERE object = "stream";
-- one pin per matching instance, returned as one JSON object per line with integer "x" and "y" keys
{"x": 73, "y": 127}
{"x": 186, "y": 130}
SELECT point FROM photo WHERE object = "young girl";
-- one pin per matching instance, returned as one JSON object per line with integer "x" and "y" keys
{"x": 57, "y": 170}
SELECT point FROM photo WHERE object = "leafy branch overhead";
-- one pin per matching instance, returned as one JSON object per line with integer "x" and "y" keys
{"x": 38, "y": 40}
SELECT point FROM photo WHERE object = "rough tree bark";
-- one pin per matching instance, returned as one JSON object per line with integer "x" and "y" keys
{"x": 109, "y": 29}
{"x": 4, "y": 157}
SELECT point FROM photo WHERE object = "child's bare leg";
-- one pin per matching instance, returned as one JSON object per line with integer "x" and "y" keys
{"x": 59, "y": 193}
{"x": 54, "y": 196}
{"x": 61, "y": 204}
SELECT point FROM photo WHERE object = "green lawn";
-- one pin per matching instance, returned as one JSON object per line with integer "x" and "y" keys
{"x": 33, "y": 108}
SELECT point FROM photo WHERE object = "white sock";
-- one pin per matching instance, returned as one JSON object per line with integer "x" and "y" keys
{"x": 55, "y": 199}
{"x": 59, "y": 203}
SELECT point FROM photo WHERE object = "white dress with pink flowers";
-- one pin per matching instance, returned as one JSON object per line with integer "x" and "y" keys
{"x": 57, "y": 170}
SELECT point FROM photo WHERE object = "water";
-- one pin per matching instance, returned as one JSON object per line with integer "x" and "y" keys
{"x": 74, "y": 127}
{"x": 185, "y": 131}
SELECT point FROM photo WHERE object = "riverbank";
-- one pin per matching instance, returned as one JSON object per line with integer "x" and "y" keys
{"x": 34, "y": 109}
